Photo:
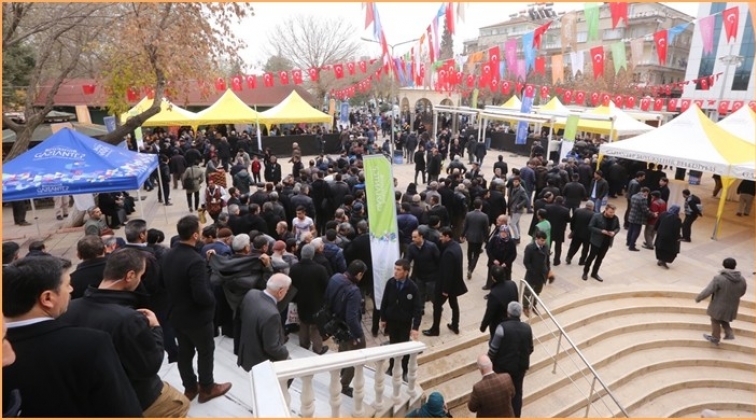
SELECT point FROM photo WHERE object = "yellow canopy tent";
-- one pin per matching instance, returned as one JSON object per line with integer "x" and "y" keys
{"x": 621, "y": 124}
{"x": 690, "y": 141}
{"x": 228, "y": 109}
{"x": 170, "y": 115}
{"x": 512, "y": 103}
{"x": 292, "y": 110}
{"x": 554, "y": 107}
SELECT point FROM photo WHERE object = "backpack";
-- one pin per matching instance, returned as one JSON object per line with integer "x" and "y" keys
{"x": 329, "y": 323}
{"x": 189, "y": 183}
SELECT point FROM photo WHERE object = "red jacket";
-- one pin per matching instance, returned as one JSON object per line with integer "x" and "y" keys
{"x": 657, "y": 206}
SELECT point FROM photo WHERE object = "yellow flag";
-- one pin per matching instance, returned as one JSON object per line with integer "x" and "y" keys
{"x": 557, "y": 68}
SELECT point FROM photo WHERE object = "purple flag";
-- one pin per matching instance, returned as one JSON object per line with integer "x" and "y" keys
{"x": 510, "y": 54}
{"x": 521, "y": 72}
{"x": 707, "y": 33}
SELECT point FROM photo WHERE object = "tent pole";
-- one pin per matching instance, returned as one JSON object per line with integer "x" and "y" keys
{"x": 34, "y": 213}
{"x": 726, "y": 184}
{"x": 165, "y": 200}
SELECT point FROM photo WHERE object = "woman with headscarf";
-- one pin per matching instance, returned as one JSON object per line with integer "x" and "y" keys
{"x": 435, "y": 407}
{"x": 411, "y": 192}
{"x": 668, "y": 236}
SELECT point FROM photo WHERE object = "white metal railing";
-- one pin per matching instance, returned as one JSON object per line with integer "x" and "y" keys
{"x": 271, "y": 397}
{"x": 560, "y": 334}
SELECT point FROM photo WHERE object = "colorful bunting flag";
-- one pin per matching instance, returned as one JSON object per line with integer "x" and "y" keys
{"x": 619, "y": 56}
{"x": 569, "y": 31}
{"x": 619, "y": 12}
{"x": 706, "y": 25}
{"x": 528, "y": 51}
{"x": 557, "y": 68}
{"x": 591, "y": 13}
{"x": 730, "y": 19}
{"x": 597, "y": 58}
{"x": 660, "y": 40}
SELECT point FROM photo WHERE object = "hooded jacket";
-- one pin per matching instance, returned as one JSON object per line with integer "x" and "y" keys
{"x": 725, "y": 290}
{"x": 238, "y": 274}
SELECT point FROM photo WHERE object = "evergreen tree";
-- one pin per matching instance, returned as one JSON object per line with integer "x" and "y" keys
{"x": 447, "y": 44}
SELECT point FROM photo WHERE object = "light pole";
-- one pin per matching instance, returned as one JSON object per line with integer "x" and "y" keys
{"x": 393, "y": 122}
{"x": 728, "y": 60}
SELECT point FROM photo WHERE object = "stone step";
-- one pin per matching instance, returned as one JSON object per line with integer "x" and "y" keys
{"x": 636, "y": 385}
{"x": 697, "y": 395}
{"x": 727, "y": 411}
{"x": 614, "y": 347}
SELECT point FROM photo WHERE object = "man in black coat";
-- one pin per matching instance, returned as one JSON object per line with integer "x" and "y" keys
{"x": 60, "y": 370}
{"x": 117, "y": 309}
{"x": 91, "y": 250}
{"x": 574, "y": 193}
{"x": 580, "y": 233}
{"x": 359, "y": 249}
{"x": 425, "y": 256}
{"x": 451, "y": 283}
{"x": 273, "y": 171}
{"x": 603, "y": 226}
{"x": 536, "y": 262}
{"x": 475, "y": 232}
{"x": 497, "y": 204}
{"x": 598, "y": 191}
{"x": 193, "y": 309}
{"x": 559, "y": 217}
{"x": 401, "y": 310}
{"x": 503, "y": 291}
{"x": 510, "y": 350}
{"x": 310, "y": 280}
{"x": 692, "y": 212}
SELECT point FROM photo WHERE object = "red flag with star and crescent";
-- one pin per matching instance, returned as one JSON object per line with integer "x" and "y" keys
{"x": 251, "y": 81}
{"x": 597, "y": 58}
{"x": 313, "y": 73}
{"x": 660, "y": 40}
{"x": 338, "y": 71}
{"x": 730, "y": 19}
{"x": 296, "y": 75}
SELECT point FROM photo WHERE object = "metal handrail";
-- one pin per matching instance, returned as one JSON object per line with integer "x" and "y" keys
{"x": 542, "y": 307}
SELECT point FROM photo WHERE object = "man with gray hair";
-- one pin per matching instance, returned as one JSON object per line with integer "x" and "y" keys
{"x": 262, "y": 334}
{"x": 492, "y": 396}
{"x": 310, "y": 280}
{"x": 96, "y": 224}
{"x": 512, "y": 355}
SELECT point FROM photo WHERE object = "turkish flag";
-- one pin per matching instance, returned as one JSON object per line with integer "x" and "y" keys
{"x": 338, "y": 70}
{"x": 704, "y": 81}
{"x": 505, "y": 87}
{"x": 350, "y": 68}
{"x": 568, "y": 96}
{"x": 421, "y": 71}
{"x": 619, "y": 11}
{"x": 736, "y": 105}
{"x": 494, "y": 57}
{"x": 494, "y": 85}
{"x": 529, "y": 91}
{"x": 597, "y": 58}
{"x": 752, "y": 105}
{"x": 544, "y": 92}
{"x": 658, "y": 104}
{"x": 283, "y": 76}
{"x": 150, "y": 92}
{"x": 236, "y": 83}
{"x": 485, "y": 77}
{"x": 268, "y": 79}
{"x": 684, "y": 105}
{"x": 540, "y": 65}
{"x": 711, "y": 101}
{"x": 630, "y": 102}
{"x": 580, "y": 98}
{"x": 220, "y": 84}
{"x": 645, "y": 104}
{"x": 606, "y": 99}
{"x": 668, "y": 89}
{"x": 730, "y": 19}
{"x": 442, "y": 77}
{"x": 313, "y": 73}
{"x": 380, "y": 70}
{"x": 518, "y": 88}
{"x": 619, "y": 101}
{"x": 88, "y": 89}
{"x": 363, "y": 66}
{"x": 595, "y": 98}
{"x": 723, "y": 107}
{"x": 699, "y": 103}
{"x": 251, "y": 82}
{"x": 132, "y": 95}
{"x": 672, "y": 105}
{"x": 660, "y": 40}
{"x": 296, "y": 74}
{"x": 459, "y": 77}
{"x": 559, "y": 90}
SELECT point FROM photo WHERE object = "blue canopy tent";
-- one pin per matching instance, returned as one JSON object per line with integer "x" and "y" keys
{"x": 70, "y": 163}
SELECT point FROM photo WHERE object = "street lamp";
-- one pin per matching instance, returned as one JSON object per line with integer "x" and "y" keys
{"x": 393, "y": 122}
{"x": 728, "y": 60}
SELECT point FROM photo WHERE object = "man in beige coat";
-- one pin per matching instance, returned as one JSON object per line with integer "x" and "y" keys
{"x": 725, "y": 290}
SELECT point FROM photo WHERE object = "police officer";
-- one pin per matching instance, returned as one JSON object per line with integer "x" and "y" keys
{"x": 401, "y": 310}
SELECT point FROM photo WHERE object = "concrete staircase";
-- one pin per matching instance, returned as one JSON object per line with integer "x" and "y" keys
{"x": 646, "y": 345}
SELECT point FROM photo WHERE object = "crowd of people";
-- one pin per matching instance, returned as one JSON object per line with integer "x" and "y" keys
{"x": 301, "y": 239}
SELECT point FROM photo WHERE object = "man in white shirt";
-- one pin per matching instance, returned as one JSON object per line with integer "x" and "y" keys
{"x": 302, "y": 224}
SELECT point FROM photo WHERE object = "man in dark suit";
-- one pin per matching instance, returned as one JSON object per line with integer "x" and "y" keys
{"x": 598, "y": 190}
{"x": 503, "y": 291}
{"x": 574, "y": 192}
{"x": 603, "y": 226}
{"x": 60, "y": 370}
{"x": 559, "y": 217}
{"x": 262, "y": 334}
{"x": 536, "y": 262}
{"x": 115, "y": 308}
{"x": 580, "y": 233}
{"x": 91, "y": 250}
{"x": 450, "y": 285}
{"x": 497, "y": 204}
{"x": 475, "y": 232}
{"x": 492, "y": 396}
{"x": 512, "y": 355}
{"x": 692, "y": 212}
{"x": 310, "y": 279}
{"x": 193, "y": 309}
{"x": 401, "y": 310}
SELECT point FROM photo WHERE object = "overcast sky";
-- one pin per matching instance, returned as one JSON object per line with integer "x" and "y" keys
{"x": 403, "y": 21}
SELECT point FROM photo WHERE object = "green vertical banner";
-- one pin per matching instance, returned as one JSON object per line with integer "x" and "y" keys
{"x": 592, "y": 20}
{"x": 570, "y": 127}
{"x": 384, "y": 233}
{"x": 474, "y": 100}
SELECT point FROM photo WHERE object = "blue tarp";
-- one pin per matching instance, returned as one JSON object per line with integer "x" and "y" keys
{"x": 72, "y": 163}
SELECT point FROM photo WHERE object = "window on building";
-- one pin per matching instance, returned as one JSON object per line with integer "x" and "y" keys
{"x": 706, "y": 68}
{"x": 582, "y": 36}
{"x": 610, "y": 34}
{"x": 743, "y": 73}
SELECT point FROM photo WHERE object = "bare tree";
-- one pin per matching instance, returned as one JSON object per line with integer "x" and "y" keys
{"x": 314, "y": 42}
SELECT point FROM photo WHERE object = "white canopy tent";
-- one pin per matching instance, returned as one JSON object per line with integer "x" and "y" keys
{"x": 742, "y": 123}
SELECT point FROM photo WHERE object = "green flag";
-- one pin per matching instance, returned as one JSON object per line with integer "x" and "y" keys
{"x": 592, "y": 20}
{"x": 570, "y": 127}
{"x": 384, "y": 233}
{"x": 474, "y": 101}
{"x": 619, "y": 56}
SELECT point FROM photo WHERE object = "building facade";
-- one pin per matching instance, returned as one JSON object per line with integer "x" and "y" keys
{"x": 736, "y": 82}
{"x": 644, "y": 20}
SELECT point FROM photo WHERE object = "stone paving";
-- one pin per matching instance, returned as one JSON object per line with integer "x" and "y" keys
{"x": 698, "y": 262}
